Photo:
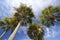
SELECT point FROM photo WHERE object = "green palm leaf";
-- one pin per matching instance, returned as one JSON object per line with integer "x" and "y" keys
{"x": 35, "y": 32}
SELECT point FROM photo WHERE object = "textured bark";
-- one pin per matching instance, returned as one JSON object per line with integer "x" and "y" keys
{"x": 14, "y": 32}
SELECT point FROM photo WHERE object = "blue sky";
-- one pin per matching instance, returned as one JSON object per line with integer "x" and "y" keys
{"x": 6, "y": 10}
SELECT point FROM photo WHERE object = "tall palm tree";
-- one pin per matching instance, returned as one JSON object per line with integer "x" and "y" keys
{"x": 9, "y": 23}
{"x": 1, "y": 25}
{"x": 24, "y": 15}
{"x": 50, "y": 15}
{"x": 36, "y": 32}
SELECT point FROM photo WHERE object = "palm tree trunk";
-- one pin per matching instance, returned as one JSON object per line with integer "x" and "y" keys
{"x": 3, "y": 34}
{"x": 14, "y": 32}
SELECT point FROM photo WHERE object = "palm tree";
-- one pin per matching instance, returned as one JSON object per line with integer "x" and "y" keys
{"x": 2, "y": 24}
{"x": 24, "y": 16}
{"x": 36, "y": 32}
{"x": 8, "y": 23}
{"x": 50, "y": 15}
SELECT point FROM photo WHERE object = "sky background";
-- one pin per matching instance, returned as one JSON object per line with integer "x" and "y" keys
{"x": 7, "y": 10}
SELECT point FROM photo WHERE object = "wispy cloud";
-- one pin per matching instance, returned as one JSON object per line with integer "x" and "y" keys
{"x": 37, "y": 5}
{"x": 50, "y": 33}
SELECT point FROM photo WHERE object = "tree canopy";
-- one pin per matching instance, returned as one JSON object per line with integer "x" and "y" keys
{"x": 50, "y": 15}
{"x": 24, "y": 15}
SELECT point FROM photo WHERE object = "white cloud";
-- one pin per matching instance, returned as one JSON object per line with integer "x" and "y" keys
{"x": 37, "y": 5}
{"x": 50, "y": 33}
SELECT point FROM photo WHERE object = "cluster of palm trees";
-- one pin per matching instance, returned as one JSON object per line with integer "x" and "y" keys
{"x": 23, "y": 17}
